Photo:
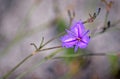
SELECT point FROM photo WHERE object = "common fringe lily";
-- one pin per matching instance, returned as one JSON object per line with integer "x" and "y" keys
{"x": 76, "y": 37}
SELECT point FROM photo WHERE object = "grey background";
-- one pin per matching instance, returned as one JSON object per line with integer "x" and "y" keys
{"x": 16, "y": 36}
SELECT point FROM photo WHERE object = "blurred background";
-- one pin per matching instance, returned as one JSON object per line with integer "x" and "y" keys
{"x": 26, "y": 21}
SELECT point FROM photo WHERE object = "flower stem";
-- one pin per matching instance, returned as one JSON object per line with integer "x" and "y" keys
{"x": 38, "y": 64}
{"x": 11, "y": 71}
{"x": 31, "y": 69}
{"x": 50, "y": 48}
{"x": 81, "y": 55}
{"x": 53, "y": 39}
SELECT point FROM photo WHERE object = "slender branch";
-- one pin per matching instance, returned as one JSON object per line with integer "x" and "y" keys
{"x": 34, "y": 45}
{"x": 38, "y": 64}
{"x": 11, "y": 71}
{"x": 81, "y": 55}
{"x": 49, "y": 48}
{"x": 108, "y": 7}
{"x": 41, "y": 43}
{"x": 31, "y": 69}
{"x": 71, "y": 15}
{"x": 53, "y": 39}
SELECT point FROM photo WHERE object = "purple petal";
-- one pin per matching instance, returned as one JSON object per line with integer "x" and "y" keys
{"x": 78, "y": 28}
{"x": 85, "y": 33}
{"x": 68, "y": 41}
{"x": 84, "y": 42}
{"x": 82, "y": 45}
{"x": 86, "y": 39}
{"x": 71, "y": 33}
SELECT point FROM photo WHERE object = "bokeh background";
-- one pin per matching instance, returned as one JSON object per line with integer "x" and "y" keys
{"x": 26, "y": 21}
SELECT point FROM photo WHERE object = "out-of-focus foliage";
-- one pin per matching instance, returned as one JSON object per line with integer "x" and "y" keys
{"x": 61, "y": 25}
{"x": 114, "y": 61}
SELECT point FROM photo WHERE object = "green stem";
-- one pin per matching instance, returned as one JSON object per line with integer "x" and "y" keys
{"x": 38, "y": 64}
{"x": 49, "y": 48}
{"x": 53, "y": 39}
{"x": 11, "y": 71}
{"x": 8, "y": 74}
{"x": 81, "y": 55}
{"x": 31, "y": 69}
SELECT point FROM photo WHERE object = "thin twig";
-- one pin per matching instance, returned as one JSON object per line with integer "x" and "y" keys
{"x": 38, "y": 64}
{"x": 41, "y": 43}
{"x": 8, "y": 74}
{"x": 52, "y": 39}
{"x": 34, "y": 45}
{"x": 79, "y": 55}
{"x": 26, "y": 58}
{"x": 71, "y": 15}
{"x": 92, "y": 17}
{"x": 49, "y": 48}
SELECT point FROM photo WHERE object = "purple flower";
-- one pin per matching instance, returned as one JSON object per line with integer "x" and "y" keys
{"x": 76, "y": 37}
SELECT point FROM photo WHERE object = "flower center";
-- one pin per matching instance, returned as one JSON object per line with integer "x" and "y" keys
{"x": 79, "y": 39}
